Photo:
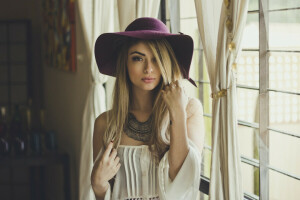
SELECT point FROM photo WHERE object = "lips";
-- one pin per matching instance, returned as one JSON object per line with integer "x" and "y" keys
{"x": 148, "y": 79}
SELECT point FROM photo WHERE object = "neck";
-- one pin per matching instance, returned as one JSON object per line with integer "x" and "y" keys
{"x": 142, "y": 100}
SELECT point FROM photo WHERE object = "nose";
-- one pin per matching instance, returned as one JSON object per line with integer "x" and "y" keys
{"x": 148, "y": 67}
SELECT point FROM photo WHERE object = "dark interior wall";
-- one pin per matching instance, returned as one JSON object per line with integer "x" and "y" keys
{"x": 62, "y": 94}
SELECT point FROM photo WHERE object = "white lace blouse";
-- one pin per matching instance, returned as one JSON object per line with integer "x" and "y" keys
{"x": 140, "y": 179}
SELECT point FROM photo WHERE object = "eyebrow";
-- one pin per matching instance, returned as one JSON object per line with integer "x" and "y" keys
{"x": 137, "y": 53}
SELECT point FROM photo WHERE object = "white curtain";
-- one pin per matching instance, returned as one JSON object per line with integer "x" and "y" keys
{"x": 96, "y": 18}
{"x": 221, "y": 24}
{"x": 174, "y": 9}
{"x": 129, "y": 10}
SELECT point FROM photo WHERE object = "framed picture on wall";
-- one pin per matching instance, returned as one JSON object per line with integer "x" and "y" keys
{"x": 59, "y": 44}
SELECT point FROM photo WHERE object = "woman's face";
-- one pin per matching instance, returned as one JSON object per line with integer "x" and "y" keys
{"x": 142, "y": 67}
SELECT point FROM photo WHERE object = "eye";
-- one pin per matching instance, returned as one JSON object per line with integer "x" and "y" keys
{"x": 137, "y": 58}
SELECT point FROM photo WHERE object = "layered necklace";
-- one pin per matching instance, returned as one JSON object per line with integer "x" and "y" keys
{"x": 140, "y": 131}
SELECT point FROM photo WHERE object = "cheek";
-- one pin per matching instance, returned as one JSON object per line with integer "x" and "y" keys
{"x": 133, "y": 72}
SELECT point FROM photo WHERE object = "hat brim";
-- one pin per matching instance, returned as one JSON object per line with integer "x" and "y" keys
{"x": 106, "y": 48}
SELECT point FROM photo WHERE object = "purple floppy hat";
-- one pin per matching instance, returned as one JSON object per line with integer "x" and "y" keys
{"x": 145, "y": 28}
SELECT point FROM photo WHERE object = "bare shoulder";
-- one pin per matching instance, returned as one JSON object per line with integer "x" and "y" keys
{"x": 194, "y": 107}
{"x": 101, "y": 122}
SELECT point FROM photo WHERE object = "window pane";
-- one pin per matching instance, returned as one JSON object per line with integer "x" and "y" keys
{"x": 203, "y": 196}
{"x": 167, "y": 9}
{"x": 206, "y": 163}
{"x": 248, "y": 69}
{"x": 207, "y": 102}
{"x": 206, "y": 160}
{"x": 248, "y": 141}
{"x": 285, "y": 112}
{"x": 283, "y": 187}
{"x": 3, "y": 74}
{"x": 250, "y": 179}
{"x": 19, "y": 94}
{"x": 248, "y": 105}
{"x": 3, "y": 94}
{"x": 284, "y": 30}
{"x": 17, "y": 32}
{"x": 253, "y": 5}
{"x": 18, "y": 73}
{"x": 191, "y": 90}
{"x": 207, "y": 124}
{"x": 284, "y": 71}
{"x": 3, "y": 33}
{"x": 250, "y": 38}
{"x": 279, "y": 4}
{"x": 3, "y": 53}
{"x": 284, "y": 152}
{"x": 195, "y": 65}
{"x": 168, "y": 24}
{"x": 18, "y": 53}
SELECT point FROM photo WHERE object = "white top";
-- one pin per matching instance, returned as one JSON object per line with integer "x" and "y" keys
{"x": 139, "y": 178}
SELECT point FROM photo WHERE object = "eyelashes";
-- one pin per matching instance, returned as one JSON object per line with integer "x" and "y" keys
{"x": 137, "y": 58}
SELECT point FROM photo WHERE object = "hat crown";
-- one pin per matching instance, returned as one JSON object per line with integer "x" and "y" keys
{"x": 147, "y": 23}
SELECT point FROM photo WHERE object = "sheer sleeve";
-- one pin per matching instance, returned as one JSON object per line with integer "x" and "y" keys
{"x": 187, "y": 181}
{"x": 108, "y": 194}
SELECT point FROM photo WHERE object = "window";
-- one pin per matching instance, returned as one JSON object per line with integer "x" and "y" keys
{"x": 268, "y": 86}
{"x": 14, "y": 63}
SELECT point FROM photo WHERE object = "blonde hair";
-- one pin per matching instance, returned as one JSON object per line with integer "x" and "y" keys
{"x": 117, "y": 116}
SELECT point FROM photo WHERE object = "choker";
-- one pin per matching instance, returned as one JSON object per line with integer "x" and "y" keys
{"x": 140, "y": 131}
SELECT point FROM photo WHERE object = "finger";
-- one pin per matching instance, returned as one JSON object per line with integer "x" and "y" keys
{"x": 116, "y": 161}
{"x": 173, "y": 86}
{"x": 116, "y": 169}
{"x": 163, "y": 94}
{"x": 178, "y": 83}
{"x": 167, "y": 88}
{"x": 108, "y": 150}
{"x": 113, "y": 154}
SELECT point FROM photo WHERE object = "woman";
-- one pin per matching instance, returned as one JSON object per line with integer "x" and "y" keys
{"x": 148, "y": 146}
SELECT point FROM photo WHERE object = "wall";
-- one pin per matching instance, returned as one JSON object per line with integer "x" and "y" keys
{"x": 64, "y": 97}
{"x": 62, "y": 94}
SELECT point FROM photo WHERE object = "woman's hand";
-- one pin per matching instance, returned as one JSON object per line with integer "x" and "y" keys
{"x": 175, "y": 98}
{"x": 104, "y": 170}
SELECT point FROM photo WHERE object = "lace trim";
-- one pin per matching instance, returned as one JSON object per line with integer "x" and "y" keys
{"x": 150, "y": 198}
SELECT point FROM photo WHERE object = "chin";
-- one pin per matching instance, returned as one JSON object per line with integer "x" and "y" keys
{"x": 149, "y": 87}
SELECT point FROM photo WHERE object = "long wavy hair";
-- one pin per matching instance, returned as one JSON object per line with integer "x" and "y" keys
{"x": 122, "y": 95}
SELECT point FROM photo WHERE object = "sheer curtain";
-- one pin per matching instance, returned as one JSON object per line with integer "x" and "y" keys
{"x": 221, "y": 24}
{"x": 96, "y": 18}
{"x": 131, "y": 9}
